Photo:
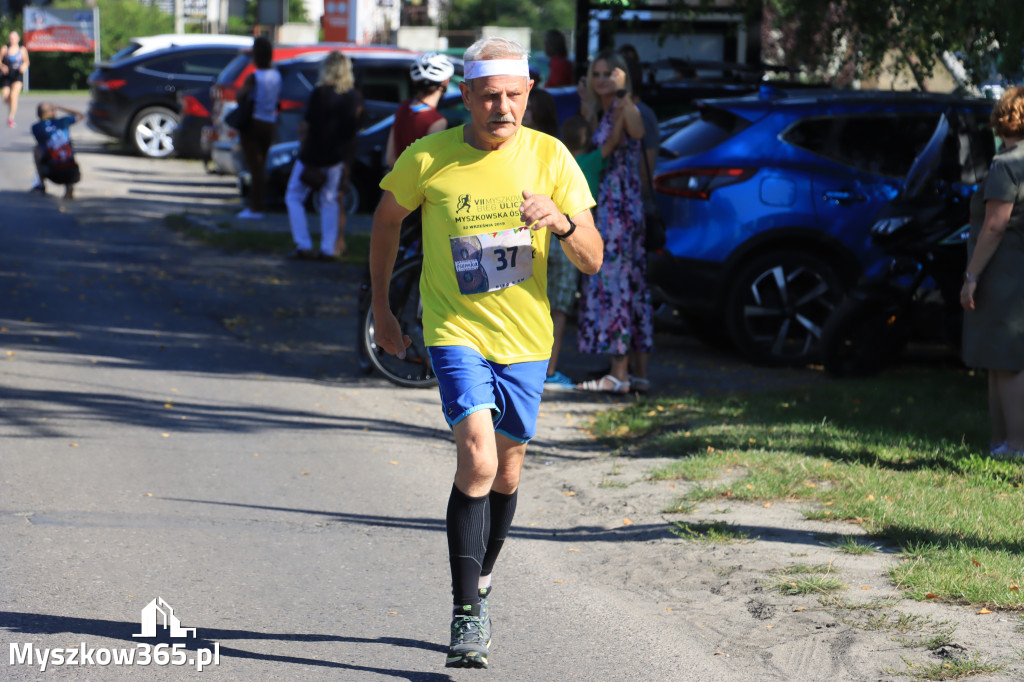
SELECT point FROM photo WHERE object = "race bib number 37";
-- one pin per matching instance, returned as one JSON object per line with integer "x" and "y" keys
{"x": 488, "y": 262}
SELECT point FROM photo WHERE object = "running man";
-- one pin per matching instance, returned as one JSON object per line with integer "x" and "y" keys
{"x": 486, "y": 318}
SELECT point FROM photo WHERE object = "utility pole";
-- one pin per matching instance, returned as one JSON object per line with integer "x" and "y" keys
{"x": 179, "y": 16}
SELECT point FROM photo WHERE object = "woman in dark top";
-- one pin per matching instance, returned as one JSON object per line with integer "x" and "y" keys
{"x": 993, "y": 292}
{"x": 13, "y": 62}
{"x": 327, "y": 137}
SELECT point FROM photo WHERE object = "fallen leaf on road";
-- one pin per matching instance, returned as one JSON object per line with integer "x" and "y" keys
{"x": 394, "y": 462}
{"x": 559, "y": 581}
{"x": 931, "y": 595}
{"x": 767, "y": 504}
{"x": 627, "y": 522}
{"x": 800, "y": 608}
{"x": 983, "y": 611}
{"x": 573, "y": 549}
{"x": 305, "y": 473}
{"x": 73, "y": 445}
{"x": 165, "y": 435}
{"x": 865, "y": 587}
{"x": 568, "y": 493}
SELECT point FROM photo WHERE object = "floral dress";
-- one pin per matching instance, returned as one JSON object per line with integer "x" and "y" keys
{"x": 615, "y": 315}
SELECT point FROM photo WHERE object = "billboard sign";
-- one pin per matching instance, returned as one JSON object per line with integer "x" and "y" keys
{"x": 337, "y": 21}
{"x": 60, "y": 30}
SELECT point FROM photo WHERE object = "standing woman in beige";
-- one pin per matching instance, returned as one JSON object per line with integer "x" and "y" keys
{"x": 993, "y": 292}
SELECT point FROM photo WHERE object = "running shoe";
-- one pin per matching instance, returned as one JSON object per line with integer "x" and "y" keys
{"x": 10, "y": 123}
{"x": 469, "y": 643}
{"x": 485, "y": 614}
{"x": 249, "y": 215}
{"x": 559, "y": 381}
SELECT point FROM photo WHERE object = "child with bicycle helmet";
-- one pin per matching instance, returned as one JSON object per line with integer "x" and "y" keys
{"x": 418, "y": 116}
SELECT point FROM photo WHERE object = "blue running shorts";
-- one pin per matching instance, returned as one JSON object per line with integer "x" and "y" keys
{"x": 468, "y": 382}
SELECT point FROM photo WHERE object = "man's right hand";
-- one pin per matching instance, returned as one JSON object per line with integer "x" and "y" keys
{"x": 387, "y": 334}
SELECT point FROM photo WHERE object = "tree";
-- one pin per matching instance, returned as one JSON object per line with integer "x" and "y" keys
{"x": 540, "y": 16}
{"x": 856, "y": 35}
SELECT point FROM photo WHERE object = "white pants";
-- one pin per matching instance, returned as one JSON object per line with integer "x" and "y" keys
{"x": 295, "y": 197}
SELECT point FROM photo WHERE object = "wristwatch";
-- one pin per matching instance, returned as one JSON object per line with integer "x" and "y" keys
{"x": 572, "y": 228}
{"x": 968, "y": 277}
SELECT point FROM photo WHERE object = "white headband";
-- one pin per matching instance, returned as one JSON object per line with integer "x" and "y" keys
{"x": 496, "y": 67}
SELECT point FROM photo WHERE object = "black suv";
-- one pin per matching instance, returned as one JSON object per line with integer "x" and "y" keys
{"x": 135, "y": 99}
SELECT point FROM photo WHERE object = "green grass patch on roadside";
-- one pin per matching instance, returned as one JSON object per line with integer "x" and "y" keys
{"x": 898, "y": 455}
{"x": 851, "y": 545}
{"x": 955, "y": 668}
{"x": 230, "y": 238}
{"x": 807, "y": 584}
{"x": 718, "y": 532}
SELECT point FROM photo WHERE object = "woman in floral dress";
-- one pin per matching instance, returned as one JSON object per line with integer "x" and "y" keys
{"x": 615, "y": 316}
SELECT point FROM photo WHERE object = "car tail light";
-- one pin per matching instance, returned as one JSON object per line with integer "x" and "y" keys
{"x": 291, "y": 104}
{"x": 699, "y": 183}
{"x": 111, "y": 84}
{"x": 190, "y": 106}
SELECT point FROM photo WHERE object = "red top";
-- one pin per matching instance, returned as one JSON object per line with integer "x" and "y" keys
{"x": 561, "y": 72}
{"x": 412, "y": 121}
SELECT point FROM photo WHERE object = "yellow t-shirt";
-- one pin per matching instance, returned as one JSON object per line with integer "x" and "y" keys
{"x": 477, "y": 288}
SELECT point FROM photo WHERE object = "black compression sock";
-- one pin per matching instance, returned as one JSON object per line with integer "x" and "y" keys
{"x": 468, "y": 527}
{"x": 503, "y": 508}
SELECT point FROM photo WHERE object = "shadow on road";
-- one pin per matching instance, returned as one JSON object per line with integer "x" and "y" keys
{"x": 43, "y": 624}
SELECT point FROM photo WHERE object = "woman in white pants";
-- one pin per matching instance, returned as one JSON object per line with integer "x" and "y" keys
{"x": 327, "y": 136}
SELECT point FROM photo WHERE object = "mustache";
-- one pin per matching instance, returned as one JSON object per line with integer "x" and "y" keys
{"x": 505, "y": 118}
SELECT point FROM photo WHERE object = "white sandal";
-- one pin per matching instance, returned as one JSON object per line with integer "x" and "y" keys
{"x": 600, "y": 385}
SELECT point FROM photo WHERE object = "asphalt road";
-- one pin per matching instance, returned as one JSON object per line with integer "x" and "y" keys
{"x": 189, "y": 425}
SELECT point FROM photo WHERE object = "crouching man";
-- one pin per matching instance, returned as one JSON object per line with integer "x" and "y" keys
{"x": 54, "y": 155}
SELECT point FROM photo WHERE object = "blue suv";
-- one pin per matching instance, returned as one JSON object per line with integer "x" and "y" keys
{"x": 768, "y": 200}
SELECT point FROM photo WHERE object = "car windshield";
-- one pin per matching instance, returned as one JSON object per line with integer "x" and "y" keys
{"x": 712, "y": 128}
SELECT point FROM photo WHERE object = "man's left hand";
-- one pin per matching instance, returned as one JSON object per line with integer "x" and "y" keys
{"x": 538, "y": 211}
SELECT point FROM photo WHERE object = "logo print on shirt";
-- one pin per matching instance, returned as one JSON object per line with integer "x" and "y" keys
{"x": 463, "y": 203}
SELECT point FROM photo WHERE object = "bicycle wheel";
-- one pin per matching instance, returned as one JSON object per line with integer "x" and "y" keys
{"x": 414, "y": 371}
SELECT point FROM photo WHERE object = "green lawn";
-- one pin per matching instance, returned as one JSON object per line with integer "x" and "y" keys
{"x": 901, "y": 455}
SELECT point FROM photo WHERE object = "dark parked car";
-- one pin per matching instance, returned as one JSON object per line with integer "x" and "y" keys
{"x": 768, "y": 200}
{"x": 135, "y": 99}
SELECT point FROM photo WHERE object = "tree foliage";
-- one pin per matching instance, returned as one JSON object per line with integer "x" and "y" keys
{"x": 539, "y": 16}
{"x": 856, "y": 35}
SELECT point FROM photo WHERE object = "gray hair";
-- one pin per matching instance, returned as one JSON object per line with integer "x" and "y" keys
{"x": 494, "y": 47}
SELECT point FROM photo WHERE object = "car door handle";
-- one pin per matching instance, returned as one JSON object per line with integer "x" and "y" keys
{"x": 844, "y": 196}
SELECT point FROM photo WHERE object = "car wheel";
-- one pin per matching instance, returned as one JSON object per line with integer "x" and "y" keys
{"x": 778, "y": 306}
{"x": 152, "y": 132}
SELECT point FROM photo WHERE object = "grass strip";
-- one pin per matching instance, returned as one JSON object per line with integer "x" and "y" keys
{"x": 898, "y": 455}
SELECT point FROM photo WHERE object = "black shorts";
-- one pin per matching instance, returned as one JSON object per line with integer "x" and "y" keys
{"x": 65, "y": 175}
{"x": 14, "y": 77}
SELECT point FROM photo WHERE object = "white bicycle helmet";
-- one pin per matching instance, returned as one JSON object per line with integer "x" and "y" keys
{"x": 432, "y": 67}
